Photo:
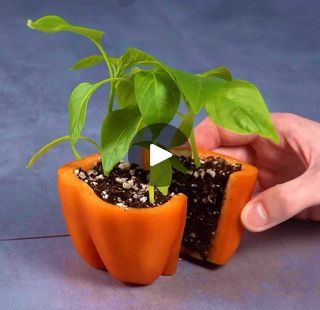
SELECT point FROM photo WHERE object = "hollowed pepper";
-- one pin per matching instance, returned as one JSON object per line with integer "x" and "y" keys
{"x": 133, "y": 245}
{"x": 237, "y": 193}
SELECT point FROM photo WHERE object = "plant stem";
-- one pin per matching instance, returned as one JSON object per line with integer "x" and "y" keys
{"x": 74, "y": 151}
{"x": 194, "y": 149}
{"x": 111, "y": 92}
{"x": 95, "y": 144}
{"x": 105, "y": 56}
{"x": 55, "y": 142}
{"x": 111, "y": 97}
{"x": 151, "y": 193}
{"x": 180, "y": 114}
{"x": 111, "y": 75}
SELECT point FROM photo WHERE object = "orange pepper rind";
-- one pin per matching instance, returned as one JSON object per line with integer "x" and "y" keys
{"x": 134, "y": 245}
{"x": 237, "y": 193}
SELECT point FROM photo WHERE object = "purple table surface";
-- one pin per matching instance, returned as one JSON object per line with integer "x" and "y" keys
{"x": 278, "y": 269}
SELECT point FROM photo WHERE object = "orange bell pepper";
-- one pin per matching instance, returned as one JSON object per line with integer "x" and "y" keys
{"x": 237, "y": 193}
{"x": 133, "y": 245}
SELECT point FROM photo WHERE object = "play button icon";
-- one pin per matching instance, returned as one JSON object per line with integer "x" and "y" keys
{"x": 158, "y": 155}
{"x": 152, "y": 145}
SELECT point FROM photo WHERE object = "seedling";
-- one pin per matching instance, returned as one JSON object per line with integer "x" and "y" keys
{"x": 146, "y": 91}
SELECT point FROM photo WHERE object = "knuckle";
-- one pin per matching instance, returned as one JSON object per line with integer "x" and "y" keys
{"x": 290, "y": 115}
{"x": 317, "y": 173}
{"x": 281, "y": 117}
{"x": 283, "y": 200}
{"x": 313, "y": 173}
{"x": 280, "y": 194}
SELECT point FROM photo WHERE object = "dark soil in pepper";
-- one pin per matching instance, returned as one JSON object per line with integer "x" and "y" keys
{"x": 205, "y": 189}
{"x": 126, "y": 186}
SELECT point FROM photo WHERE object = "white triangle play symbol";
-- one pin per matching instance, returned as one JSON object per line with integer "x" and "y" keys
{"x": 157, "y": 154}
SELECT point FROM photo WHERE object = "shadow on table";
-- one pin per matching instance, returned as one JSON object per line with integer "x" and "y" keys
{"x": 200, "y": 263}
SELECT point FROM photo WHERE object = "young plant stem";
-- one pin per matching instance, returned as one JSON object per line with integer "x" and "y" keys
{"x": 74, "y": 151}
{"x": 151, "y": 193}
{"x": 194, "y": 149}
{"x": 180, "y": 114}
{"x": 112, "y": 74}
{"x": 55, "y": 142}
{"x": 106, "y": 58}
{"x": 192, "y": 140}
{"x": 111, "y": 97}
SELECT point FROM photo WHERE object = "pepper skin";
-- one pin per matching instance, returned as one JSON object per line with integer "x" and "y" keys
{"x": 134, "y": 245}
{"x": 237, "y": 193}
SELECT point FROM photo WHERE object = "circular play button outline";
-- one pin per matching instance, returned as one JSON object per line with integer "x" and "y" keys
{"x": 151, "y": 148}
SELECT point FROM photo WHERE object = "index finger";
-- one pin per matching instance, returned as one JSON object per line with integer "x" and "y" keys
{"x": 209, "y": 136}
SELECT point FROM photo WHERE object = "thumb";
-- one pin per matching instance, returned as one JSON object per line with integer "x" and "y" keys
{"x": 281, "y": 202}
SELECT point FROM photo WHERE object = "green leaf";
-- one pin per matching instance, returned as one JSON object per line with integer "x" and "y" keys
{"x": 54, "y": 143}
{"x": 139, "y": 57}
{"x": 134, "y": 57}
{"x": 239, "y": 107}
{"x": 196, "y": 89}
{"x": 133, "y": 71}
{"x": 52, "y": 23}
{"x": 87, "y": 62}
{"x": 117, "y": 132}
{"x": 163, "y": 189}
{"x": 125, "y": 93}
{"x": 219, "y": 72}
{"x": 78, "y": 102}
{"x": 157, "y": 96}
{"x": 161, "y": 174}
{"x": 177, "y": 164}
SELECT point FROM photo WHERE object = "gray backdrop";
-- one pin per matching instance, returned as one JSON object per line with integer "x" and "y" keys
{"x": 274, "y": 44}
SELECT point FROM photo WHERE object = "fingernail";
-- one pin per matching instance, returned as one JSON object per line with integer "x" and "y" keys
{"x": 256, "y": 215}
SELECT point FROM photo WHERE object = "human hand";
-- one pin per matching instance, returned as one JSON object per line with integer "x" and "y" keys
{"x": 289, "y": 173}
